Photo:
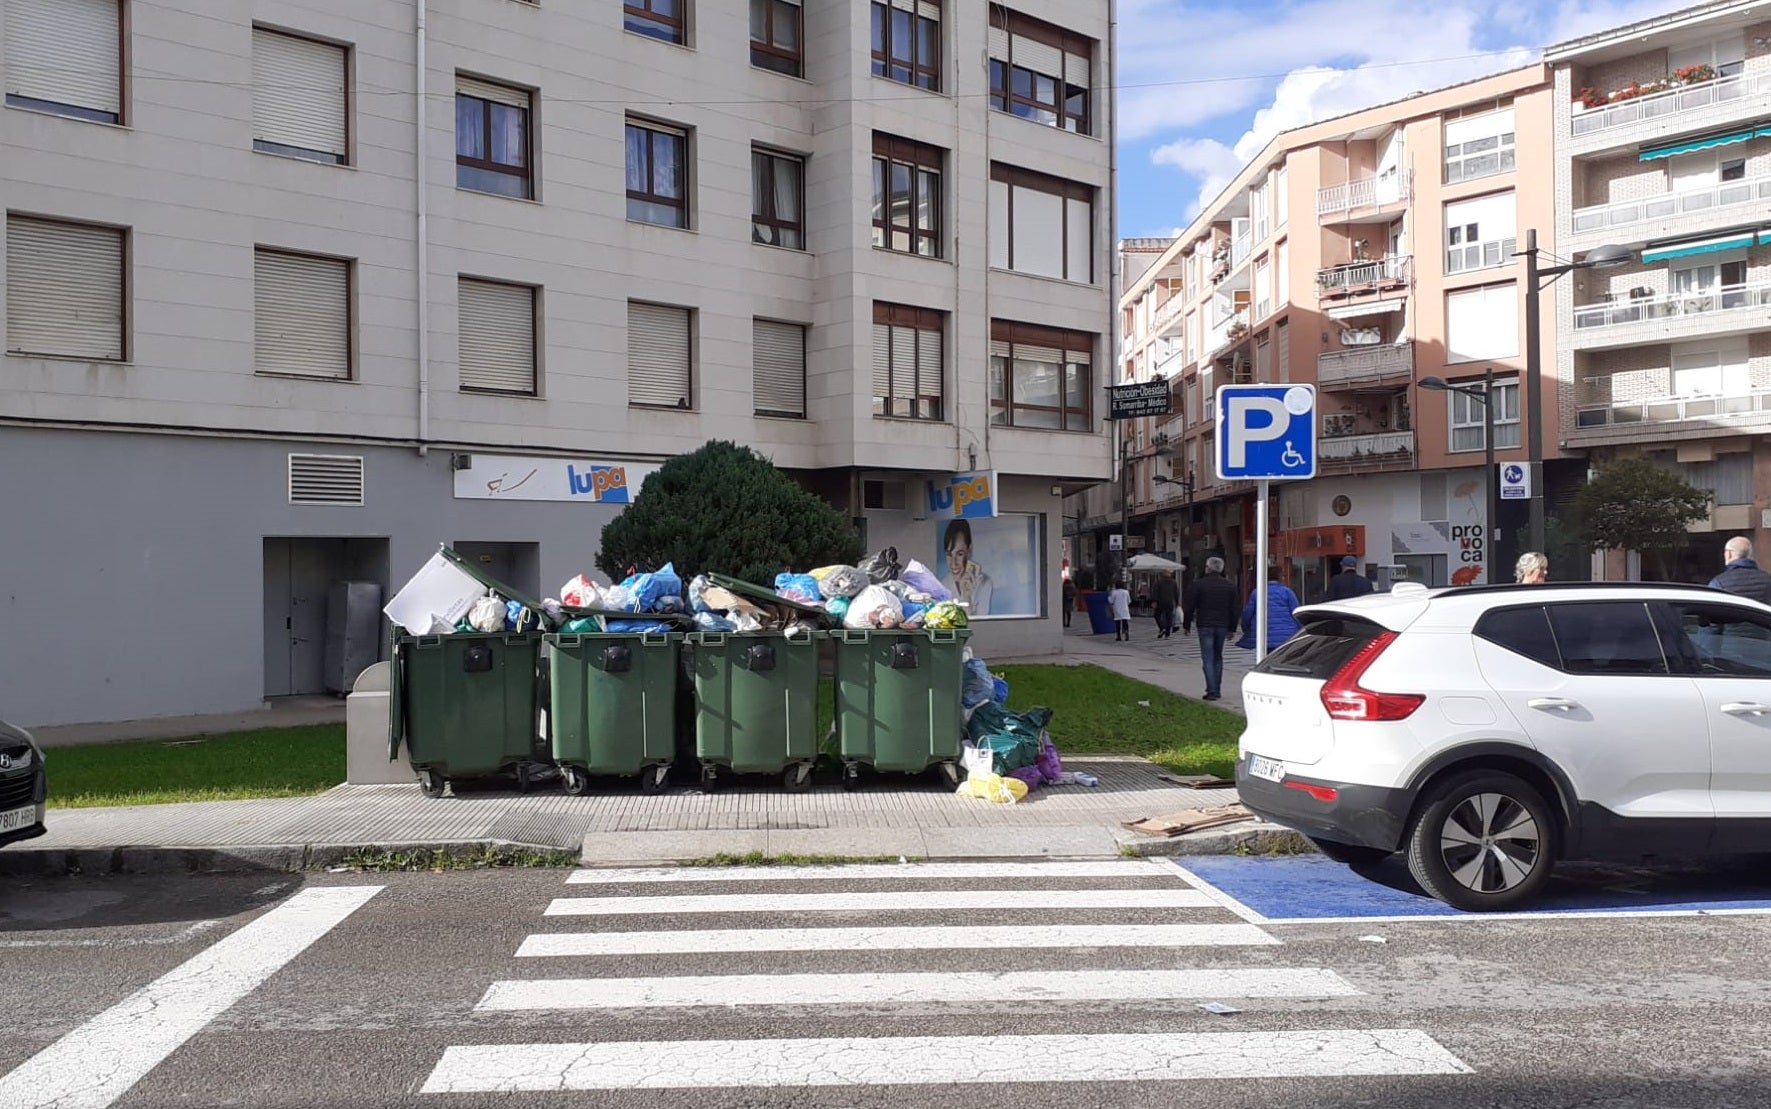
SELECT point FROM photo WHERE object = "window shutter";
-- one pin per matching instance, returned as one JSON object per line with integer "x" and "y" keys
{"x": 1489, "y": 125}
{"x": 999, "y": 43}
{"x": 486, "y": 90}
{"x": 928, "y": 372}
{"x": 497, "y": 348}
{"x": 65, "y": 52}
{"x": 903, "y": 362}
{"x": 658, "y": 355}
{"x": 1040, "y": 57}
{"x": 779, "y": 359}
{"x": 298, "y": 97}
{"x": 882, "y": 360}
{"x": 301, "y": 315}
{"x": 64, "y": 289}
{"x": 1076, "y": 68}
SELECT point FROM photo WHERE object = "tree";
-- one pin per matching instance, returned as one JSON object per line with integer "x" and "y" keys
{"x": 726, "y": 509}
{"x": 1634, "y": 505}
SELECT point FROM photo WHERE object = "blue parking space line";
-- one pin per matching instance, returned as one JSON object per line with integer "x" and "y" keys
{"x": 1313, "y": 889}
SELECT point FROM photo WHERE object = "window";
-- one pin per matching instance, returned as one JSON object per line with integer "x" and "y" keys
{"x": 657, "y": 175}
{"x": 907, "y": 196}
{"x": 65, "y": 57}
{"x": 775, "y": 32}
{"x": 1321, "y": 649}
{"x": 1482, "y": 323}
{"x": 492, "y": 138}
{"x": 1282, "y": 266}
{"x": 1731, "y": 169}
{"x": 1607, "y": 637}
{"x": 1715, "y": 283}
{"x": 1263, "y": 290}
{"x": 1523, "y": 631}
{"x": 1480, "y": 233}
{"x": 299, "y": 106}
{"x": 301, "y": 320}
{"x": 1041, "y": 225}
{"x": 1727, "y": 56}
{"x": 497, "y": 341}
{"x": 1479, "y": 145}
{"x": 659, "y": 356}
{"x": 1722, "y": 369}
{"x": 907, "y": 42}
{"x": 1281, "y": 197}
{"x": 65, "y": 291}
{"x": 1715, "y": 641}
{"x": 778, "y": 198}
{"x": 908, "y": 367}
{"x": 1469, "y": 419}
{"x": 1039, "y": 376}
{"x": 1038, "y": 71}
{"x": 659, "y": 19}
{"x": 778, "y": 358}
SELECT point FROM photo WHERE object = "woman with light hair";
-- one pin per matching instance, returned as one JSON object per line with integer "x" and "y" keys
{"x": 1533, "y": 569}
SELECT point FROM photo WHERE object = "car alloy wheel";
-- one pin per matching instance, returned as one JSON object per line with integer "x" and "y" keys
{"x": 1483, "y": 841}
{"x": 1490, "y": 843}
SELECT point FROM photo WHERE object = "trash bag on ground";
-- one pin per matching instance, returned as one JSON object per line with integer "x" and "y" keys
{"x": 882, "y": 566}
{"x": 922, "y": 579}
{"x": 843, "y": 581}
{"x": 875, "y": 607}
{"x": 999, "y": 690}
{"x": 945, "y": 615}
{"x": 1014, "y": 738}
{"x": 1048, "y": 763}
{"x": 803, "y": 588}
{"x": 978, "y": 686}
{"x": 993, "y": 787}
{"x": 487, "y": 614}
{"x": 1031, "y": 776}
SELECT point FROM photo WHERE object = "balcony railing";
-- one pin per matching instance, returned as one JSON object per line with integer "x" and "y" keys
{"x": 1355, "y": 449}
{"x": 1671, "y": 306}
{"x": 1240, "y": 248}
{"x": 1365, "y": 365}
{"x": 1367, "y": 192}
{"x": 1352, "y": 277}
{"x": 1668, "y": 409}
{"x": 1168, "y": 314}
{"x": 1231, "y": 329}
{"x": 1755, "y": 191}
{"x": 1671, "y": 102}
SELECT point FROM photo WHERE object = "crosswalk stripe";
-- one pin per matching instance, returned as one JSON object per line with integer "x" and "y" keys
{"x": 872, "y": 871}
{"x": 932, "y": 938}
{"x": 897, "y": 901}
{"x": 903, "y": 988}
{"x": 929, "y": 1060}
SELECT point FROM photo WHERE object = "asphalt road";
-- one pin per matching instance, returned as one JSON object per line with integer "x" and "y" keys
{"x": 395, "y": 989}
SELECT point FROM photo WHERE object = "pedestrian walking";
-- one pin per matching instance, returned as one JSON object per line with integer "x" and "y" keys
{"x": 1348, "y": 583}
{"x": 1069, "y": 594}
{"x": 1211, "y": 603}
{"x": 1532, "y": 569}
{"x": 1281, "y": 624}
{"x": 1119, "y": 601}
{"x": 1742, "y": 576}
{"x": 1167, "y": 596}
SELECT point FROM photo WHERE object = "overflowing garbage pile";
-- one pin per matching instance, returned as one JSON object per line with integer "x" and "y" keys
{"x": 583, "y": 606}
{"x": 720, "y": 605}
{"x": 1006, "y": 755}
{"x": 881, "y": 592}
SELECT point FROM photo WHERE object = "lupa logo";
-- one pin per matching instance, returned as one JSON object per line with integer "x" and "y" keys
{"x": 604, "y": 484}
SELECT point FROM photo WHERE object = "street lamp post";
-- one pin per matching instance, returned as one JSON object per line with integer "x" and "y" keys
{"x": 1491, "y": 480}
{"x": 1537, "y": 279}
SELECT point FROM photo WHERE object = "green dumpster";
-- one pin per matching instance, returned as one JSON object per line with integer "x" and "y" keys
{"x": 612, "y": 702}
{"x": 898, "y": 700}
{"x": 465, "y": 704}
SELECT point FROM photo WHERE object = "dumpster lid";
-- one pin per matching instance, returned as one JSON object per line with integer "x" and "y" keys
{"x": 766, "y": 596}
{"x": 494, "y": 584}
{"x": 676, "y": 619}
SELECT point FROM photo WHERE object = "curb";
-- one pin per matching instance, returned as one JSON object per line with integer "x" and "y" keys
{"x": 1258, "y": 838}
{"x": 287, "y": 858}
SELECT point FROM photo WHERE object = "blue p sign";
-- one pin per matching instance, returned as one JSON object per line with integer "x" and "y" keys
{"x": 1266, "y": 431}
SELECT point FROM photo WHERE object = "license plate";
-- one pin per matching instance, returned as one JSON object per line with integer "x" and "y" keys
{"x": 1271, "y": 769}
{"x": 18, "y": 818}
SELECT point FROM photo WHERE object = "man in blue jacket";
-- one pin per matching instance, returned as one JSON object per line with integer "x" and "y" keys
{"x": 1742, "y": 576}
{"x": 1211, "y": 602}
{"x": 1349, "y": 582}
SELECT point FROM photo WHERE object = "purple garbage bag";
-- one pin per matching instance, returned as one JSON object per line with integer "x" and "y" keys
{"x": 1048, "y": 764}
{"x": 1029, "y": 775}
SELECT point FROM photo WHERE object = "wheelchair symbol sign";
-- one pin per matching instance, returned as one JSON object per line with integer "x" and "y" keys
{"x": 1266, "y": 431}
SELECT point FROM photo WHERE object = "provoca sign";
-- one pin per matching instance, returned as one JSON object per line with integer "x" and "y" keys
{"x": 514, "y": 478}
{"x": 964, "y": 496}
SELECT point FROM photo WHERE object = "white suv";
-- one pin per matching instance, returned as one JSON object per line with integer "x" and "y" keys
{"x": 1487, "y": 732}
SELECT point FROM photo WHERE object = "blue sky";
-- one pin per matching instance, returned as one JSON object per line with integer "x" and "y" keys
{"x": 1204, "y": 84}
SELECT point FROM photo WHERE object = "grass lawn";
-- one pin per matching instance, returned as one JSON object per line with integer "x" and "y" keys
{"x": 1096, "y": 711}
{"x": 276, "y": 762}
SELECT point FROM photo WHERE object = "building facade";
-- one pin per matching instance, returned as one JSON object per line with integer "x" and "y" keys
{"x": 1362, "y": 254}
{"x": 296, "y": 292}
{"x": 1663, "y": 145}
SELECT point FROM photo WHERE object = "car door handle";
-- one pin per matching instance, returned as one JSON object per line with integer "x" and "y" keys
{"x": 1745, "y": 708}
{"x": 1562, "y": 703}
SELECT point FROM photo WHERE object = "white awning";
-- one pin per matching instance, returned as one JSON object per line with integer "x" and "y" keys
{"x": 1369, "y": 308}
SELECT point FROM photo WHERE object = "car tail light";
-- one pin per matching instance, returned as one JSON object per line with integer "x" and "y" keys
{"x": 1324, "y": 794}
{"x": 1346, "y": 699}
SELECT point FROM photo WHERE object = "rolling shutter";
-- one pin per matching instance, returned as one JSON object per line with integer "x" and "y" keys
{"x": 298, "y": 97}
{"x": 64, "y": 289}
{"x": 497, "y": 337}
{"x": 301, "y": 315}
{"x": 486, "y": 90}
{"x": 658, "y": 356}
{"x": 1040, "y": 57}
{"x": 882, "y": 361}
{"x": 779, "y": 357}
{"x": 999, "y": 43}
{"x": 65, "y": 52}
{"x": 929, "y": 385}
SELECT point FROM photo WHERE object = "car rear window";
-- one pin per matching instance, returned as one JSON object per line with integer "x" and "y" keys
{"x": 1321, "y": 649}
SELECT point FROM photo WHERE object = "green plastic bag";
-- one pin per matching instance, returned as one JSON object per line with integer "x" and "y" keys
{"x": 1014, "y": 738}
{"x": 580, "y": 625}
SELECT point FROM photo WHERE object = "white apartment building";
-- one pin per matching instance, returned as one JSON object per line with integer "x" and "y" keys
{"x": 1663, "y": 145}
{"x": 297, "y": 290}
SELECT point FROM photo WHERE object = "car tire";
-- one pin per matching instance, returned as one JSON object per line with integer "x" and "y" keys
{"x": 1484, "y": 841}
{"x": 1350, "y": 854}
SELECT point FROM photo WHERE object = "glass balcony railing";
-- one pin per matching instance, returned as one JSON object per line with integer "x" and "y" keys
{"x": 1670, "y": 409}
{"x": 1354, "y": 449}
{"x": 1657, "y": 105}
{"x": 1351, "y": 277}
{"x": 1753, "y": 297}
{"x": 1754, "y": 191}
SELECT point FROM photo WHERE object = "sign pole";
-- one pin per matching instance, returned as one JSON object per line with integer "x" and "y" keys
{"x": 1260, "y": 570}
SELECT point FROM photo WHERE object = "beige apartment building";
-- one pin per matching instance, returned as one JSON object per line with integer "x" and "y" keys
{"x": 1362, "y": 254}
{"x": 297, "y": 290}
{"x": 1663, "y": 145}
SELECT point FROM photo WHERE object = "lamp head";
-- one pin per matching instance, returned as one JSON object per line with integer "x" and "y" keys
{"x": 1603, "y": 257}
{"x": 1436, "y": 384}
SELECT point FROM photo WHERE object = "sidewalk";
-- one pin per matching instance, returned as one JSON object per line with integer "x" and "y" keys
{"x": 889, "y": 815}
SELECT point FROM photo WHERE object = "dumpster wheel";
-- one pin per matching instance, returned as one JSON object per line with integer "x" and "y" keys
{"x": 575, "y": 779}
{"x": 431, "y": 782}
{"x": 851, "y": 776}
{"x": 797, "y": 778}
{"x": 654, "y": 778}
{"x": 709, "y": 777}
{"x": 951, "y": 771}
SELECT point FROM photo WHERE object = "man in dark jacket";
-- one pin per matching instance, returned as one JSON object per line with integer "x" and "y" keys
{"x": 1348, "y": 583}
{"x": 1167, "y": 597}
{"x": 1742, "y": 577}
{"x": 1212, "y": 603}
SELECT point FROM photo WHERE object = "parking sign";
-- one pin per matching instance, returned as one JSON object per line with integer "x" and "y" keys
{"x": 1266, "y": 432}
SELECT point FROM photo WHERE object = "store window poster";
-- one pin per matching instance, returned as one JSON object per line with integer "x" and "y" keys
{"x": 991, "y": 564}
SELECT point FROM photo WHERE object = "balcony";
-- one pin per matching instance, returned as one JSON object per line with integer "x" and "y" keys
{"x": 1356, "y": 200}
{"x": 1672, "y": 214}
{"x": 1386, "y": 450}
{"x": 1226, "y": 333}
{"x": 1668, "y": 317}
{"x": 1712, "y": 103}
{"x": 1379, "y": 365}
{"x": 1169, "y": 315}
{"x": 1354, "y": 278}
{"x": 1648, "y": 419}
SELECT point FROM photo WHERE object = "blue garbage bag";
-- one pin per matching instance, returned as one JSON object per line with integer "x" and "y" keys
{"x": 978, "y": 686}
{"x": 799, "y": 587}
